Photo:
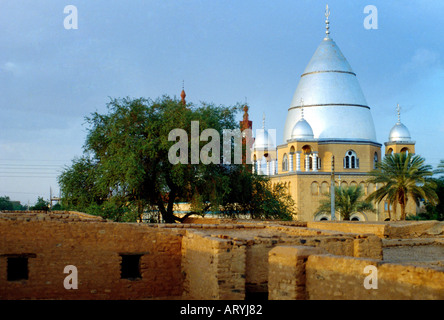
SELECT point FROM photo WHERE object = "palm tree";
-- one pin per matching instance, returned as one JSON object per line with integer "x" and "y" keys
{"x": 440, "y": 168}
{"x": 347, "y": 201}
{"x": 402, "y": 176}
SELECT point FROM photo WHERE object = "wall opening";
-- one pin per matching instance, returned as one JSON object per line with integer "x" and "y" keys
{"x": 130, "y": 266}
{"x": 17, "y": 268}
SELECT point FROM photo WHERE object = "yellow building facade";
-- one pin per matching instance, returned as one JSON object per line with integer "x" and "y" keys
{"x": 328, "y": 119}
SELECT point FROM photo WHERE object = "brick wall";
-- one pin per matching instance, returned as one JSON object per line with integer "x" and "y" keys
{"x": 214, "y": 268}
{"x": 390, "y": 229}
{"x": 94, "y": 248}
{"x": 333, "y": 277}
{"x": 297, "y": 272}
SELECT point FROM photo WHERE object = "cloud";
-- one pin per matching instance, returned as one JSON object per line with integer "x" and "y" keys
{"x": 11, "y": 68}
{"x": 423, "y": 60}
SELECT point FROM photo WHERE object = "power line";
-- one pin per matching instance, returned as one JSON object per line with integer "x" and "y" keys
{"x": 52, "y": 177}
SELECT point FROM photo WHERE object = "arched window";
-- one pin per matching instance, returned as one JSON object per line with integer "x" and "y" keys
{"x": 351, "y": 160}
{"x": 285, "y": 163}
{"x": 325, "y": 188}
{"x": 375, "y": 160}
{"x": 314, "y": 188}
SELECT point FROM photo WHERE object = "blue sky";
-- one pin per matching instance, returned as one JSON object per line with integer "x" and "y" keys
{"x": 225, "y": 51}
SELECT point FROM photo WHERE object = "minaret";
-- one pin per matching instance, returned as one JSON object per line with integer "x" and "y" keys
{"x": 182, "y": 94}
{"x": 245, "y": 125}
{"x": 264, "y": 147}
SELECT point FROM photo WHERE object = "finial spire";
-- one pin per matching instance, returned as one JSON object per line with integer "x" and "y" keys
{"x": 302, "y": 108}
{"x": 327, "y": 22}
{"x": 263, "y": 121}
{"x": 398, "y": 109}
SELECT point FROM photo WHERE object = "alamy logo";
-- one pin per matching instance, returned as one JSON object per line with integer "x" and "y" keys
{"x": 71, "y": 280}
{"x": 210, "y": 153}
{"x": 71, "y": 21}
{"x": 371, "y": 281}
{"x": 371, "y": 21}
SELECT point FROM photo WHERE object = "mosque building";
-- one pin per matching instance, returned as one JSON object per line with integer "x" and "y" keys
{"x": 329, "y": 128}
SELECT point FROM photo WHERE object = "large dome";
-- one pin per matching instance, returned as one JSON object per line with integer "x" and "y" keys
{"x": 334, "y": 104}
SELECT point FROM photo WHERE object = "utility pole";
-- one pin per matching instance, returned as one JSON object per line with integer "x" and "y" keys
{"x": 52, "y": 198}
{"x": 332, "y": 188}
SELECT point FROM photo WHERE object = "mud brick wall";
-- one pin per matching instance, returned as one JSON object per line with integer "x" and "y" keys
{"x": 391, "y": 229}
{"x": 407, "y": 229}
{"x": 258, "y": 249}
{"x": 332, "y": 277}
{"x": 214, "y": 268}
{"x": 286, "y": 277}
{"x": 308, "y": 273}
{"x": 376, "y": 228}
{"x": 95, "y": 249}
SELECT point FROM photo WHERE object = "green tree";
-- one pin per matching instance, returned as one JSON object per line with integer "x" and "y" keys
{"x": 6, "y": 204}
{"x": 78, "y": 184}
{"x": 41, "y": 204}
{"x": 403, "y": 176}
{"x": 253, "y": 195}
{"x": 348, "y": 200}
{"x": 440, "y": 168}
{"x": 433, "y": 211}
{"x": 126, "y": 163}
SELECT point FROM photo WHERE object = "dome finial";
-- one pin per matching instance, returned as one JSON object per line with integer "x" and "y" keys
{"x": 398, "y": 109}
{"x": 263, "y": 121}
{"x": 327, "y": 22}
{"x": 302, "y": 108}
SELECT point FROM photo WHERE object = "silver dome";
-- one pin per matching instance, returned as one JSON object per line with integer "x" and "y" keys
{"x": 263, "y": 140}
{"x": 334, "y": 104}
{"x": 302, "y": 130}
{"x": 399, "y": 133}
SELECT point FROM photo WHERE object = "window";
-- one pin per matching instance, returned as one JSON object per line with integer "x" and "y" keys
{"x": 285, "y": 163}
{"x": 375, "y": 160}
{"x": 17, "y": 268}
{"x": 386, "y": 206}
{"x": 325, "y": 188}
{"x": 130, "y": 266}
{"x": 351, "y": 160}
{"x": 314, "y": 188}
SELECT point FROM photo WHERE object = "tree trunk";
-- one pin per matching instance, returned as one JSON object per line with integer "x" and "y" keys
{"x": 389, "y": 210}
{"x": 403, "y": 211}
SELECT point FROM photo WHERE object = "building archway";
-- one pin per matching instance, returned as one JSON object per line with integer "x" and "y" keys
{"x": 322, "y": 216}
{"x": 358, "y": 216}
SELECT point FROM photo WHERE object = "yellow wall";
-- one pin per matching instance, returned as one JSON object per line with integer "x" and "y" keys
{"x": 399, "y": 147}
{"x": 309, "y": 188}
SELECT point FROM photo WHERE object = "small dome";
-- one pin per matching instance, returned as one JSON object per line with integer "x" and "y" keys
{"x": 302, "y": 130}
{"x": 263, "y": 141}
{"x": 399, "y": 133}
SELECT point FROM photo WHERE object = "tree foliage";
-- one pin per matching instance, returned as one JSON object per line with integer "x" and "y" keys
{"x": 403, "y": 176}
{"x": 41, "y": 204}
{"x": 125, "y": 169}
{"x": 6, "y": 204}
{"x": 348, "y": 200}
